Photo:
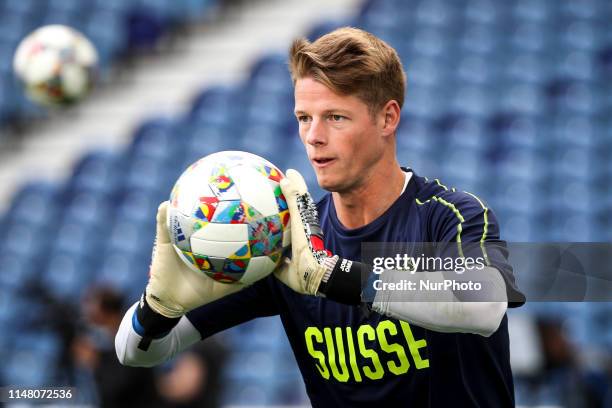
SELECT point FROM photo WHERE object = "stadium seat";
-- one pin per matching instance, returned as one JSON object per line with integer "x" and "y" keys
{"x": 66, "y": 275}
{"x": 32, "y": 363}
{"x": 270, "y": 74}
{"x": 70, "y": 6}
{"x": 583, "y": 35}
{"x": 477, "y": 69}
{"x": 34, "y": 204}
{"x": 462, "y": 169}
{"x": 439, "y": 14}
{"x": 523, "y": 99}
{"x": 269, "y": 140}
{"x": 124, "y": 271}
{"x": 473, "y": 101}
{"x": 484, "y": 12}
{"x": 26, "y": 240}
{"x": 107, "y": 32}
{"x": 88, "y": 208}
{"x": 532, "y": 11}
{"x": 78, "y": 238}
{"x": 28, "y": 9}
{"x": 585, "y": 132}
{"x": 7, "y": 48}
{"x": 15, "y": 271}
{"x": 327, "y": 26}
{"x": 574, "y": 97}
{"x": 517, "y": 132}
{"x": 126, "y": 236}
{"x": 155, "y": 139}
{"x": 416, "y": 135}
{"x": 268, "y": 108}
{"x": 156, "y": 181}
{"x": 5, "y": 100}
{"x": 426, "y": 103}
{"x": 68, "y": 12}
{"x": 206, "y": 139}
{"x": 98, "y": 171}
{"x": 63, "y": 17}
{"x": 215, "y": 106}
{"x": 138, "y": 206}
{"x": 380, "y": 15}
{"x": 480, "y": 39}
{"x": 462, "y": 132}
{"x": 425, "y": 72}
{"x": 525, "y": 67}
{"x": 119, "y": 7}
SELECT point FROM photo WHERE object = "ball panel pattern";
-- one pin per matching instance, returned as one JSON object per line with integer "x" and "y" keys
{"x": 233, "y": 222}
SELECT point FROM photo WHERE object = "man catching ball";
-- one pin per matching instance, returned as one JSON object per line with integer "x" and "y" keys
{"x": 352, "y": 350}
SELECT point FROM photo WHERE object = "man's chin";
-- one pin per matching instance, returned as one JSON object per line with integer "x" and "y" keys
{"x": 333, "y": 186}
{"x": 326, "y": 184}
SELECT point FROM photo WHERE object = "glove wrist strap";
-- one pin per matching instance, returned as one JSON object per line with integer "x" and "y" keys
{"x": 150, "y": 324}
{"x": 344, "y": 282}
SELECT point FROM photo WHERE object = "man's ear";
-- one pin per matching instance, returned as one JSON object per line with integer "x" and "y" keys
{"x": 391, "y": 113}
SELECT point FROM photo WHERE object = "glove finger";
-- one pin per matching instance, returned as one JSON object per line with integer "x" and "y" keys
{"x": 292, "y": 186}
{"x": 298, "y": 236}
{"x": 163, "y": 237}
{"x": 298, "y": 181}
{"x": 293, "y": 183}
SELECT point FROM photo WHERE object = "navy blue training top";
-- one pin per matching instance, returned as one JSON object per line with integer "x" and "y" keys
{"x": 351, "y": 358}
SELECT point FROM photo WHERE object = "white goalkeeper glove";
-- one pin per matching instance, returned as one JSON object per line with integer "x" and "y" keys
{"x": 174, "y": 288}
{"x": 312, "y": 270}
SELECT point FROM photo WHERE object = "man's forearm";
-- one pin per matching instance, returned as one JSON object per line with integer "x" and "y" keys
{"x": 443, "y": 310}
{"x": 127, "y": 340}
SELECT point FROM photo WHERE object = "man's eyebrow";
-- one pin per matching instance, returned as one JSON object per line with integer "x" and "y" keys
{"x": 326, "y": 112}
{"x": 337, "y": 111}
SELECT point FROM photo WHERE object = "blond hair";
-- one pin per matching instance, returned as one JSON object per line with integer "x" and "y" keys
{"x": 350, "y": 61}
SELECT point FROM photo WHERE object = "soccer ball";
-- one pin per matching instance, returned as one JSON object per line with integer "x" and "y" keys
{"x": 56, "y": 65}
{"x": 228, "y": 218}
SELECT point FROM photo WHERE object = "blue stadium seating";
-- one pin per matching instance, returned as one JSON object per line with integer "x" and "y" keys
{"x": 518, "y": 90}
{"x": 32, "y": 363}
{"x": 114, "y": 26}
{"x": 327, "y": 26}
{"x": 124, "y": 270}
{"x": 98, "y": 171}
{"x": 66, "y": 275}
{"x": 16, "y": 271}
{"x": 34, "y": 204}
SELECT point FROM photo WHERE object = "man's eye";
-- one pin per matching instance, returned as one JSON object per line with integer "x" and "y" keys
{"x": 303, "y": 119}
{"x": 336, "y": 118}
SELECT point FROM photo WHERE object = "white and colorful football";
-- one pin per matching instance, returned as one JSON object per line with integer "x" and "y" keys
{"x": 228, "y": 218}
{"x": 56, "y": 64}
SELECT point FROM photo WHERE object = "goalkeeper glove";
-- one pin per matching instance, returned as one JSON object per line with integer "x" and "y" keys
{"x": 173, "y": 288}
{"x": 313, "y": 270}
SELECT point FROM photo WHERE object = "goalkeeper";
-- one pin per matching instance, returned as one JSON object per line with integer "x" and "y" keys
{"x": 349, "y": 90}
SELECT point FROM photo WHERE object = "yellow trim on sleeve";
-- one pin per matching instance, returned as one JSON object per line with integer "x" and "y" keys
{"x": 459, "y": 216}
{"x": 485, "y": 228}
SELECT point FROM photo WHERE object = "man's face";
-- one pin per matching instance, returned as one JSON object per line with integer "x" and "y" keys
{"x": 342, "y": 139}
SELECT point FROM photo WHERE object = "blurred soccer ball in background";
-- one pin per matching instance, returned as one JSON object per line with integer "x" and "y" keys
{"x": 228, "y": 218}
{"x": 56, "y": 65}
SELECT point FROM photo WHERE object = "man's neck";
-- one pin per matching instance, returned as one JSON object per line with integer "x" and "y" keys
{"x": 371, "y": 199}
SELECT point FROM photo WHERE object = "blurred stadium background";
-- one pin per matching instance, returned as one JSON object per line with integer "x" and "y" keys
{"x": 508, "y": 99}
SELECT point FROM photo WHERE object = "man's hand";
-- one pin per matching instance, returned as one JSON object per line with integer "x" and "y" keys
{"x": 174, "y": 288}
{"x": 307, "y": 266}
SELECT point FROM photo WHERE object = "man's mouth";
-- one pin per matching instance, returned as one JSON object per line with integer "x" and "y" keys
{"x": 322, "y": 161}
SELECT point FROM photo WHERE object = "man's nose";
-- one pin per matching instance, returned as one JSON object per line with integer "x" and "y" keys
{"x": 316, "y": 134}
